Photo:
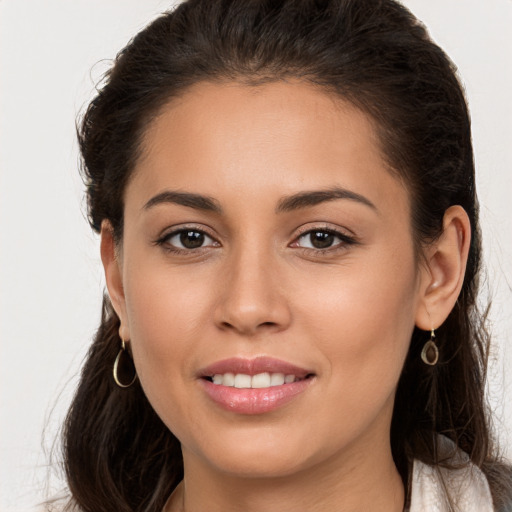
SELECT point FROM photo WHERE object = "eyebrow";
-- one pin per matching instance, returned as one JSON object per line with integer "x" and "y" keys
{"x": 197, "y": 201}
{"x": 314, "y": 197}
{"x": 286, "y": 204}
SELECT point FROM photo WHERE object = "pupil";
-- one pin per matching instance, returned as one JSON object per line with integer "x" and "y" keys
{"x": 191, "y": 239}
{"x": 321, "y": 239}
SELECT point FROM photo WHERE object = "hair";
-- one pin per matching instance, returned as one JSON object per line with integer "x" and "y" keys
{"x": 372, "y": 53}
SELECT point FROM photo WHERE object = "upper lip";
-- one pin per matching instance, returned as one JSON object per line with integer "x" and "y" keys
{"x": 253, "y": 366}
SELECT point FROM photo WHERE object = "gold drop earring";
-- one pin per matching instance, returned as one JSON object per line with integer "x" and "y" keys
{"x": 124, "y": 371}
{"x": 430, "y": 352}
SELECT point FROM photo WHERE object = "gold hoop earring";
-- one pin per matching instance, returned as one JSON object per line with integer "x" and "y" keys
{"x": 430, "y": 352}
{"x": 123, "y": 365}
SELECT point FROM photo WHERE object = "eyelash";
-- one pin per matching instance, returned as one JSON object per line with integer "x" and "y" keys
{"x": 164, "y": 241}
{"x": 344, "y": 241}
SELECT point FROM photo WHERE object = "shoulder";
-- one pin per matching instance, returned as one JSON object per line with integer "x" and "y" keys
{"x": 439, "y": 489}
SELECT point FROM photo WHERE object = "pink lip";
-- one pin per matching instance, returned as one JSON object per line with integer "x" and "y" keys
{"x": 254, "y": 401}
{"x": 253, "y": 367}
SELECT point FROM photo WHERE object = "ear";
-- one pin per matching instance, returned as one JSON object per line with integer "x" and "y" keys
{"x": 443, "y": 270}
{"x": 113, "y": 275}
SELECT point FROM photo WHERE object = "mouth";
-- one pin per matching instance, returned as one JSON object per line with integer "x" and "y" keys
{"x": 254, "y": 386}
{"x": 256, "y": 373}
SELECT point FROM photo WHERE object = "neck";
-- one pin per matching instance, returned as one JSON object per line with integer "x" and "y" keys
{"x": 350, "y": 482}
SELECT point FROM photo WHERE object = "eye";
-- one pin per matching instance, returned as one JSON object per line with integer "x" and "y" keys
{"x": 188, "y": 239}
{"x": 319, "y": 239}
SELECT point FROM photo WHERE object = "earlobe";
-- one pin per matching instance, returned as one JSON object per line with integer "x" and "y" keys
{"x": 444, "y": 269}
{"x": 113, "y": 275}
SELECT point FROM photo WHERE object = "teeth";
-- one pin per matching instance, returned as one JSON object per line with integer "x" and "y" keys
{"x": 228, "y": 379}
{"x": 242, "y": 381}
{"x": 277, "y": 379}
{"x": 261, "y": 380}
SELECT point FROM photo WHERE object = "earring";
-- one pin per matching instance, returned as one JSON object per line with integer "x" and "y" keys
{"x": 430, "y": 352}
{"x": 124, "y": 367}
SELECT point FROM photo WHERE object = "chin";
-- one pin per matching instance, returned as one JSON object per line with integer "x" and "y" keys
{"x": 259, "y": 452}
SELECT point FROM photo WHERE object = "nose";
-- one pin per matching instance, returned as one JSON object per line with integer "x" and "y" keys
{"x": 252, "y": 295}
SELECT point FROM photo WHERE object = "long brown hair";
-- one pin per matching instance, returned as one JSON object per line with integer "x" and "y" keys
{"x": 374, "y": 53}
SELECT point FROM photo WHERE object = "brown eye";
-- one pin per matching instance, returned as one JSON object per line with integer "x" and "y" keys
{"x": 189, "y": 239}
{"x": 319, "y": 239}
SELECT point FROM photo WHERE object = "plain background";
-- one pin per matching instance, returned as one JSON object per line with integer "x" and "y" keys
{"x": 52, "y": 53}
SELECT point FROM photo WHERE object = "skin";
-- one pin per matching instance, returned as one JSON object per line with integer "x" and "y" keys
{"x": 255, "y": 288}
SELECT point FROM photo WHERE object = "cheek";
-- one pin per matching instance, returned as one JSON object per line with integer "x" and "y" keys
{"x": 165, "y": 316}
{"x": 362, "y": 322}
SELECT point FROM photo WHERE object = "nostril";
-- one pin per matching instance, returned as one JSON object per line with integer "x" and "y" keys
{"x": 247, "y": 328}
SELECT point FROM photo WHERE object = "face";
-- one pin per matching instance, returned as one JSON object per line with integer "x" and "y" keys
{"x": 267, "y": 277}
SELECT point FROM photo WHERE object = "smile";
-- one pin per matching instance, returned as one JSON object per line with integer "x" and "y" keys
{"x": 254, "y": 386}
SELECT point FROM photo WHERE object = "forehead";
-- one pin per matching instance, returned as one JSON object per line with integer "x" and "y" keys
{"x": 281, "y": 136}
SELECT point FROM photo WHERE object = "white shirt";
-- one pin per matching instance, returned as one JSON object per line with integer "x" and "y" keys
{"x": 467, "y": 488}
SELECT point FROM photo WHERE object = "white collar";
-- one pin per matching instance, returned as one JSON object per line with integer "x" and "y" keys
{"x": 467, "y": 488}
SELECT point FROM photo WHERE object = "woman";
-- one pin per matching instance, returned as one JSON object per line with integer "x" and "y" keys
{"x": 289, "y": 231}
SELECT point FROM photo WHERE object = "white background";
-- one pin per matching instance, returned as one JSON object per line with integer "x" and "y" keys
{"x": 52, "y": 52}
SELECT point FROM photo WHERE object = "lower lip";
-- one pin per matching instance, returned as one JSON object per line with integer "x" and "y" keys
{"x": 254, "y": 401}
